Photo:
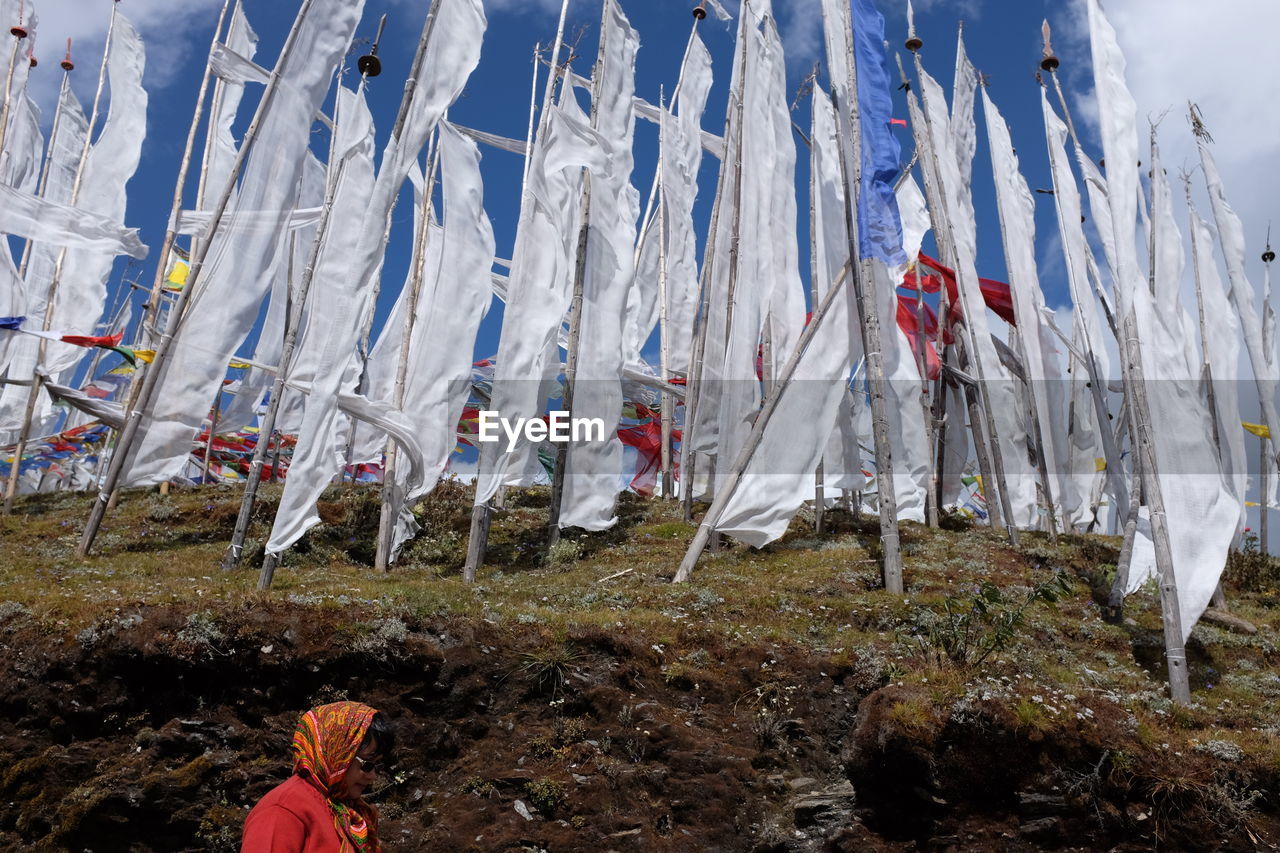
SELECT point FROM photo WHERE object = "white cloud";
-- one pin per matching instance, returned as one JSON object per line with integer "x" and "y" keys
{"x": 169, "y": 38}
{"x": 969, "y": 9}
{"x": 1180, "y": 52}
{"x": 800, "y": 25}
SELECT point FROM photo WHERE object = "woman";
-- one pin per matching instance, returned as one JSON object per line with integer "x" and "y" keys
{"x": 338, "y": 751}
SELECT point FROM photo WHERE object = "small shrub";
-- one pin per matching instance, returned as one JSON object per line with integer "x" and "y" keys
{"x": 162, "y": 509}
{"x": 12, "y": 610}
{"x": 1030, "y": 714}
{"x": 564, "y": 552}
{"x": 381, "y": 637}
{"x": 913, "y": 716}
{"x": 1250, "y": 569}
{"x": 202, "y": 632}
{"x": 545, "y": 795}
{"x": 970, "y": 628}
{"x": 479, "y": 786}
{"x": 548, "y": 669}
{"x": 1223, "y": 750}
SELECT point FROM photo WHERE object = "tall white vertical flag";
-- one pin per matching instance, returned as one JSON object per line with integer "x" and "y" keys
{"x": 593, "y": 468}
{"x": 1201, "y": 513}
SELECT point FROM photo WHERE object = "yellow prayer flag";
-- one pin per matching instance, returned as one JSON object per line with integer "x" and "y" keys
{"x": 145, "y": 355}
{"x": 1099, "y": 464}
{"x": 1260, "y": 430}
{"x": 177, "y": 277}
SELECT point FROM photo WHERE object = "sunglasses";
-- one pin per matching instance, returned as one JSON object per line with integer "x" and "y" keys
{"x": 368, "y": 766}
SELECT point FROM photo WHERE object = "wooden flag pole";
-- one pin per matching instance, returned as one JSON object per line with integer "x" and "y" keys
{"x": 1136, "y": 495}
{"x": 482, "y": 514}
{"x": 576, "y": 305}
{"x": 1131, "y": 356}
{"x": 974, "y": 354}
{"x": 11, "y": 485}
{"x": 267, "y": 425}
{"x": 134, "y": 419}
{"x": 1037, "y": 427}
{"x": 19, "y": 32}
{"x": 694, "y": 380}
{"x": 864, "y": 285}
{"x": 979, "y": 425}
{"x": 1264, "y": 480}
{"x": 1175, "y": 650}
{"x": 1097, "y": 388}
{"x": 819, "y": 475}
{"x": 734, "y": 476}
{"x": 664, "y": 353}
{"x": 386, "y": 526}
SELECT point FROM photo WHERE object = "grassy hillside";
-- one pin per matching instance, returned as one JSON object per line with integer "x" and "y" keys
{"x": 581, "y": 701}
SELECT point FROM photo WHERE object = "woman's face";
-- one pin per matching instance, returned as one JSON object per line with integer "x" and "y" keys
{"x": 363, "y": 770}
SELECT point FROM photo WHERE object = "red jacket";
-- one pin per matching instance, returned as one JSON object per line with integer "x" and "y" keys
{"x": 292, "y": 818}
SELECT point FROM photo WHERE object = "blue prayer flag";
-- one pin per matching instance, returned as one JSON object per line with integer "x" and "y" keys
{"x": 879, "y": 222}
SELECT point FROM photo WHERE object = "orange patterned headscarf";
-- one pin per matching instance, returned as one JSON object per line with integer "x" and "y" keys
{"x": 324, "y": 745}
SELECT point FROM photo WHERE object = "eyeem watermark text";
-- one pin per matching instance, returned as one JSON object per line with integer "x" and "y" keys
{"x": 558, "y": 427}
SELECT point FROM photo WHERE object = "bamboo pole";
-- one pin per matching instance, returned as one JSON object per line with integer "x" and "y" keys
{"x": 693, "y": 381}
{"x": 706, "y": 529}
{"x": 1037, "y": 428}
{"x": 1097, "y": 388}
{"x": 151, "y": 377}
{"x": 667, "y": 401}
{"x": 267, "y": 425}
{"x": 482, "y": 514}
{"x": 999, "y": 483}
{"x": 18, "y": 34}
{"x": 37, "y": 379}
{"x": 208, "y": 445}
{"x": 382, "y": 557}
{"x": 847, "y": 114}
{"x": 819, "y": 474}
{"x": 576, "y": 304}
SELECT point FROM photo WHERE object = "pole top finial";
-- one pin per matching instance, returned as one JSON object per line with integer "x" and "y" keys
{"x": 700, "y": 11}
{"x": 66, "y": 63}
{"x": 19, "y": 31}
{"x": 1048, "y": 61}
{"x": 370, "y": 65}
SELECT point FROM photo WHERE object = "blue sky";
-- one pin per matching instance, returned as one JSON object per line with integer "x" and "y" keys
{"x": 1176, "y": 51}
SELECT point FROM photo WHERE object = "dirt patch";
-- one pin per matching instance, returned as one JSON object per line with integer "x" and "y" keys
{"x": 160, "y": 727}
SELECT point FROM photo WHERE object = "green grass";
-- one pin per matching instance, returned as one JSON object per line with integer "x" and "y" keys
{"x": 821, "y": 594}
